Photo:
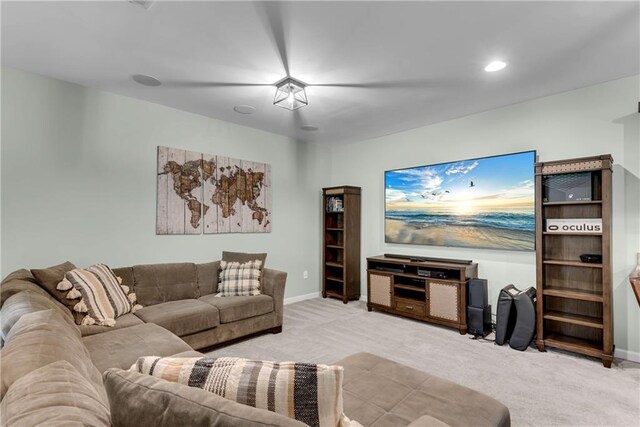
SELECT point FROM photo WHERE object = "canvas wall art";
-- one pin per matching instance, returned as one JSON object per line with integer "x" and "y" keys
{"x": 212, "y": 194}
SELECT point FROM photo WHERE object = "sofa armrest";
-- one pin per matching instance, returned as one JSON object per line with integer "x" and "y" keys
{"x": 273, "y": 283}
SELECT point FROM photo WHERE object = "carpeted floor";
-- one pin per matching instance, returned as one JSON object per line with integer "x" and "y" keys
{"x": 541, "y": 389}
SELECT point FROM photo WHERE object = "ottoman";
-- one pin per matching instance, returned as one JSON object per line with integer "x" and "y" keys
{"x": 381, "y": 393}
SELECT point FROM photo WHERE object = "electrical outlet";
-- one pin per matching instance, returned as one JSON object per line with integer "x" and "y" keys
{"x": 305, "y": 274}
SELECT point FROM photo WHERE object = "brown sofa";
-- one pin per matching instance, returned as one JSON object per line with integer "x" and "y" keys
{"x": 180, "y": 297}
{"x": 55, "y": 372}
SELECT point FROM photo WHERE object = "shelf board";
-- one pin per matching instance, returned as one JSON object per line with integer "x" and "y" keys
{"x": 549, "y": 233}
{"x": 334, "y": 264}
{"x": 334, "y": 246}
{"x": 416, "y": 276}
{"x": 335, "y": 212}
{"x": 571, "y": 263}
{"x": 334, "y": 278}
{"x": 334, "y": 229}
{"x": 409, "y": 288}
{"x": 574, "y": 319}
{"x": 579, "y": 294}
{"x": 333, "y": 293}
{"x": 569, "y": 203}
{"x": 573, "y": 344}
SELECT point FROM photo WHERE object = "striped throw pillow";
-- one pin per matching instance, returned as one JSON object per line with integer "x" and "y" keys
{"x": 103, "y": 298}
{"x": 238, "y": 279}
{"x": 302, "y": 391}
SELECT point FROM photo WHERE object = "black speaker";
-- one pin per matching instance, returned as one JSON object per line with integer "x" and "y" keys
{"x": 479, "y": 320}
{"x": 478, "y": 293}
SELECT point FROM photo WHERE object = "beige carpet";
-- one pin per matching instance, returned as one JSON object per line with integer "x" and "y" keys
{"x": 541, "y": 389}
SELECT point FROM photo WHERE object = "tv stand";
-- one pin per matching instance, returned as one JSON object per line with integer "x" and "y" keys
{"x": 427, "y": 290}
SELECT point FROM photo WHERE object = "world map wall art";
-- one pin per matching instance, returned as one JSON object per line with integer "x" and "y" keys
{"x": 203, "y": 192}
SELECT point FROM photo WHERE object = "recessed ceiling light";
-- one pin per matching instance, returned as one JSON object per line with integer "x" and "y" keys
{"x": 495, "y": 66}
{"x": 146, "y": 80}
{"x": 309, "y": 128}
{"x": 244, "y": 109}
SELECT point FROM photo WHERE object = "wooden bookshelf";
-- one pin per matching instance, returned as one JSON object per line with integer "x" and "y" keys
{"x": 574, "y": 308}
{"x": 341, "y": 243}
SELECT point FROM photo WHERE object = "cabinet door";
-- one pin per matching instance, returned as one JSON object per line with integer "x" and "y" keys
{"x": 443, "y": 300}
{"x": 380, "y": 289}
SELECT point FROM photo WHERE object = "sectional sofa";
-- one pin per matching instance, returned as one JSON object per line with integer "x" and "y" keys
{"x": 57, "y": 373}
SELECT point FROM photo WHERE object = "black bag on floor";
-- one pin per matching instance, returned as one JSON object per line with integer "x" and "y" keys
{"x": 516, "y": 317}
{"x": 506, "y": 314}
{"x": 525, "y": 328}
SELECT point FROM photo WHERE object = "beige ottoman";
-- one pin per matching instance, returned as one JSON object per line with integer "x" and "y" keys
{"x": 381, "y": 393}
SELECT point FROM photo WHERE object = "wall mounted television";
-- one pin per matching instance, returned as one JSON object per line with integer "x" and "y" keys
{"x": 484, "y": 203}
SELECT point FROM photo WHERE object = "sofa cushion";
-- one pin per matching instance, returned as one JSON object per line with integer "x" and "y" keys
{"x": 26, "y": 302}
{"x": 155, "y": 402}
{"x": 125, "y": 321}
{"x": 237, "y": 308}
{"x": 103, "y": 299}
{"x": 41, "y": 338}
{"x": 239, "y": 279}
{"x": 378, "y": 390}
{"x": 182, "y": 317}
{"x": 18, "y": 281}
{"x": 37, "y": 319}
{"x": 306, "y": 392}
{"x": 126, "y": 276}
{"x": 243, "y": 257}
{"x": 190, "y": 353}
{"x": 121, "y": 347}
{"x": 208, "y": 277}
{"x": 49, "y": 279}
{"x": 55, "y": 394}
{"x": 158, "y": 283}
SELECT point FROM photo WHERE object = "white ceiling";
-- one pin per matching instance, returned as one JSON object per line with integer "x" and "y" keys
{"x": 402, "y": 64}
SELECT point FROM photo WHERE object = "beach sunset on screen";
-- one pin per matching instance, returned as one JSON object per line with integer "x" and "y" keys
{"x": 480, "y": 203}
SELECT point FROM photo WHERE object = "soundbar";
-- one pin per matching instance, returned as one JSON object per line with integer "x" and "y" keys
{"x": 428, "y": 259}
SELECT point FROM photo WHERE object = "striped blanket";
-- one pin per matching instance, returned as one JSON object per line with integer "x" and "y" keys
{"x": 305, "y": 392}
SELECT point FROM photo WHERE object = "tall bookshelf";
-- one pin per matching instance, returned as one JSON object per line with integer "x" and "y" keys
{"x": 341, "y": 243}
{"x": 574, "y": 308}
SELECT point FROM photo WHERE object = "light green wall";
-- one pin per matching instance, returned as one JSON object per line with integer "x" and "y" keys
{"x": 79, "y": 182}
{"x": 591, "y": 121}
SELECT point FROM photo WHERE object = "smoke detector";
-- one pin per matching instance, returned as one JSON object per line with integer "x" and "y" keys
{"x": 145, "y": 4}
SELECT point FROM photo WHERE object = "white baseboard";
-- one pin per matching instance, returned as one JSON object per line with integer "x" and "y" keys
{"x": 628, "y": 355}
{"x": 299, "y": 298}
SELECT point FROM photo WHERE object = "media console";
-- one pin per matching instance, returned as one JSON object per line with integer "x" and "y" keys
{"x": 431, "y": 291}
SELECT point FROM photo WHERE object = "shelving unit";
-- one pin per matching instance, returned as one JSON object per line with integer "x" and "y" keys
{"x": 574, "y": 309}
{"x": 341, "y": 243}
{"x": 434, "y": 292}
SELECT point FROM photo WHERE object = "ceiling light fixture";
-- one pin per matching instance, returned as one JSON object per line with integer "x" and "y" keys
{"x": 290, "y": 94}
{"x": 495, "y": 66}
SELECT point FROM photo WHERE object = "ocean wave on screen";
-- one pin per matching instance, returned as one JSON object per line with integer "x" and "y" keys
{"x": 506, "y": 220}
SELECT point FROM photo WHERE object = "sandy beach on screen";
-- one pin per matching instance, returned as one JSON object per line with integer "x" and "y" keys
{"x": 397, "y": 231}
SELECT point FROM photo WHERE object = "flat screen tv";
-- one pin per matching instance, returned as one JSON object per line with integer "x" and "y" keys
{"x": 478, "y": 203}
